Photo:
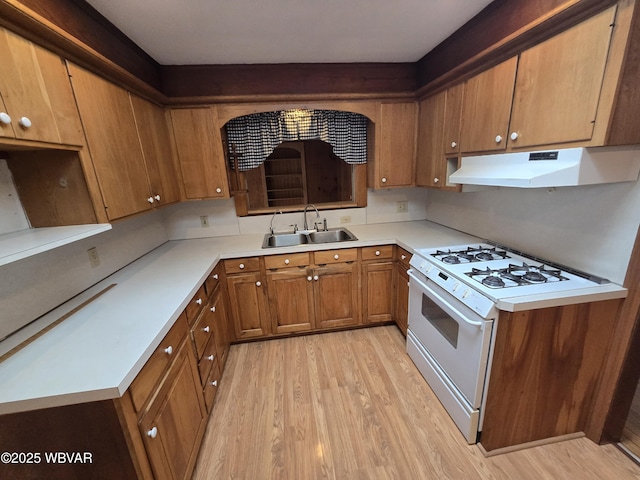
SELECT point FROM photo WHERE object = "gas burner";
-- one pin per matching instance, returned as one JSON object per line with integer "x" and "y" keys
{"x": 536, "y": 273}
{"x": 451, "y": 259}
{"x": 515, "y": 276}
{"x": 493, "y": 280}
{"x": 470, "y": 254}
{"x": 484, "y": 256}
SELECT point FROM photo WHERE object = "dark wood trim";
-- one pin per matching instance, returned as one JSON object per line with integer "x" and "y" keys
{"x": 622, "y": 369}
{"x": 295, "y": 79}
{"x": 503, "y": 29}
{"x": 85, "y": 23}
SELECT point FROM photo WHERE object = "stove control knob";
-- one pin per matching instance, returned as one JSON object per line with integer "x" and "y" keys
{"x": 455, "y": 286}
{"x": 465, "y": 294}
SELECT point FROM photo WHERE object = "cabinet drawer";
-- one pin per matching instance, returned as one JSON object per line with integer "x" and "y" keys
{"x": 202, "y": 330}
{"x": 289, "y": 260}
{"x": 239, "y": 265}
{"x": 206, "y": 362}
{"x": 211, "y": 387}
{"x": 336, "y": 256}
{"x": 403, "y": 257}
{"x": 195, "y": 305}
{"x": 213, "y": 280}
{"x": 377, "y": 253}
{"x": 155, "y": 367}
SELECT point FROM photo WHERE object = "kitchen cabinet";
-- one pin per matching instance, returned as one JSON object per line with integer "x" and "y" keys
{"x": 335, "y": 290}
{"x": 36, "y": 101}
{"x": 247, "y": 297}
{"x": 486, "y": 108}
{"x": 290, "y": 286}
{"x": 395, "y": 144}
{"x": 377, "y": 284}
{"x": 114, "y": 144}
{"x": 155, "y": 139}
{"x": 452, "y": 119}
{"x": 200, "y": 153}
{"x": 558, "y": 85}
{"x": 401, "y": 282}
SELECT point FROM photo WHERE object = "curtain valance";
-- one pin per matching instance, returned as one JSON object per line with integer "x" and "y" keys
{"x": 255, "y": 136}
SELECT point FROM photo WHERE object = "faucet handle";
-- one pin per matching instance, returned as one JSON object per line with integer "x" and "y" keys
{"x": 295, "y": 227}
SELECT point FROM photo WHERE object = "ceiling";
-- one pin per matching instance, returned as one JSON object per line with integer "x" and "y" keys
{"x": 192, "y": 32}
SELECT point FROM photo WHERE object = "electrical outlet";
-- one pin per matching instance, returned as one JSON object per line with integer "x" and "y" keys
{"x": 204, "y": 221}
{"x": 345, "y": 219}
{"x": 402, "y": 206}
{"x": 94, "y": 258}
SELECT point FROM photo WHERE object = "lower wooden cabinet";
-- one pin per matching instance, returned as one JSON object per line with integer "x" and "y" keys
{"x": 377, "y": 284}
{"x": 335, "y": 294}
{"x": 291, "y": 300}
{"x": 248, "y": 304}
{"x": 401, "y": 295}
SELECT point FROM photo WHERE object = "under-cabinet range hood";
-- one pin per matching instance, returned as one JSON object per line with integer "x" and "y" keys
{"x": 551, "y": 168}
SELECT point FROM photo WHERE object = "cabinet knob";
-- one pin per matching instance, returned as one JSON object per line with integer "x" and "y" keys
{"x": 206, "y": 329}
{"x": 150, "y": 200}
{"x": 5, "y": 118}
{"x": 215, "y": 276}
{"x": 199, "y": 301}
{"x": 498, "y": 138}
{"x": 383, "y": 179}
{"x": 377, "y": 253}
{"x": 436, "y": 180}
{"x": 168, "y": 350}
{"x": 218, "y": 190}
{"x": 309, "y": 278}
{"x": 315, "y": 277}
{"x": 241, "y": 266}
{"x": 514, "y": 135}
{"x": 24, "y": 122}
{"x": 286, "y": 261}
{"x": 336, "y": 256}
{"x": 157, "y": 197}
{"x": 210, "y": 358}
{"x": 258, "y": 283}
{"x": 454, "y": 144}
{"x": 213, "y": 309}
{"x": 214, "y": 383}
{"x": 153, "y": 433}
{"x": 403, "y": 257}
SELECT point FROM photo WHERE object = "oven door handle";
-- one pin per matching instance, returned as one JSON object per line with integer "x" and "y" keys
{"x": 433, "y": 293}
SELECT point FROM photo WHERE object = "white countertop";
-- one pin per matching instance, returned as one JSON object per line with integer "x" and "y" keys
{"x": 96, "y": 352}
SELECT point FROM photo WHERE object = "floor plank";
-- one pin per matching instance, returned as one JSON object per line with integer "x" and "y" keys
{"x": 631, "y": 432}
{"x": 351, "y": 405}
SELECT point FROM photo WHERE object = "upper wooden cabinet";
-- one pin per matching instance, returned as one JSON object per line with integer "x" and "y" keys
{"x": 431, "y": 161}
{"x": 395, "y": 144}
{"x": 200, "y": 153}
{"x": 155, "y": 138}
{"x": 452, "y": 119}
{"x": 487, "y": 107}
{"x": 558, "y": 85}
{"x": 37, "y": 101}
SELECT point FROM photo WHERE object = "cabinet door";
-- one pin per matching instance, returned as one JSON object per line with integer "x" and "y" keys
{"x": 34, "y": 84}
{"x": 200, "y": 153}
{"x": 486, "y": 108}
{"x": 248, "y": 305}
{"x": 431, "y": 162}
{"x": 401, "y": 307}
{"x": 396, "y": 138}
{"x": 110, "y": 128}
{"x": 558, "y": 85}
{"x": 154, "y": 134}
{"x": 336, "y": 295}
{"x": 290, "y": 300}
{"x": 377, "y": 291}
{"x": 452, "y": 119}
{"x": 174, "y": 423}
{"x": 221, "y": 327}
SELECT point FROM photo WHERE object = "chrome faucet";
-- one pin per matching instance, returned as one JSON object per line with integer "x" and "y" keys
{"x": 306, "y": 225}
{"x": 272, "y": 219}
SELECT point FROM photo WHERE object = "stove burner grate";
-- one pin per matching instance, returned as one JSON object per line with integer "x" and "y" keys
{"x": 515, "y": 276}
{"x": 470, "y": 254}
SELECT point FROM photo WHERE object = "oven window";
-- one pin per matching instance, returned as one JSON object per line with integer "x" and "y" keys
{"x": 442, "y": 322}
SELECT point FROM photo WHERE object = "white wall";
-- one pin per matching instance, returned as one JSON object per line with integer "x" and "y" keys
{"x": 183, "y": 220}
{"x": 591, "y": 228}
{"x": 33, "y": 286}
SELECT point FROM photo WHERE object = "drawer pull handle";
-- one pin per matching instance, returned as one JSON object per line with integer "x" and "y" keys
{"x": 498, "y": 138}
{"x": 210, "y": 358}
{"x": 336, "y": 256}
{"x": 286, "y": 262}
{"x": 150, "y": 200}
{"x": 309, "y": 278}
{"x": 213, "y": 309}
{"x": 454, "y": 144}
{"x": 206, "y": 329}
{"x": 168, "y": 350}
{"x": 214, "y": 383}
{"x": 25, "y": 122}
{"x": 215, "y": 276}
{"x": 315, "y": 277}
{"x": 218, "y": 190}
{"x": 377, "y": 253}
{"x": 403, "y": 257}
{"x": 157, "y": 197}
{"x": 258, "y": 284}
{"x": 384, "y": 179}
{"x": 153, "y": 433}
{"x": 5, "y": 118}
{"x": 241, "y": 266}
{"x": 199, "y": 301}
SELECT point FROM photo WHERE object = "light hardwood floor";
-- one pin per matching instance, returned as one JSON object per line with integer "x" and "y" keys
{"x": 631, "y": 433}
{"x": 351, "y": 405}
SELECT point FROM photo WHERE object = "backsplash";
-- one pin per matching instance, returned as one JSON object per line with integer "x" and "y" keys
{"x": 591, "y": 228}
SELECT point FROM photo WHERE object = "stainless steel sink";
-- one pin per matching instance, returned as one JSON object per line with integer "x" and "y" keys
{"x": 291, "y": 239}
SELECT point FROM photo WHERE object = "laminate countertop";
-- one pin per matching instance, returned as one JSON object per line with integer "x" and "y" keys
{"x": 112, "y": 328}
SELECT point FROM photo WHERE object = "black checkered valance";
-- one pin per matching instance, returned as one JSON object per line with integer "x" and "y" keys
{"x": 255, "y": 136}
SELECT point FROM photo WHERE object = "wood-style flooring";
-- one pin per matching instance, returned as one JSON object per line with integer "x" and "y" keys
{"x": 631, "y": 433}
{"x": 351, "y": 405}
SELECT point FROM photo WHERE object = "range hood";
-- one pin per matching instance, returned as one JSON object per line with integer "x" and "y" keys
{"x": 551, "y": 168}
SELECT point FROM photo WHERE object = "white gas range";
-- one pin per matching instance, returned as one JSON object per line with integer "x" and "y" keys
{"x": 455, "y": 294}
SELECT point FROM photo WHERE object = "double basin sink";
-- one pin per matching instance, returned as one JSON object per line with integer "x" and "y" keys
{"x": 312, "y": 238}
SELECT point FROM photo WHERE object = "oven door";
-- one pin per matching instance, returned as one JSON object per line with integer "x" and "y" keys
{"x": 455, "y": 337}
